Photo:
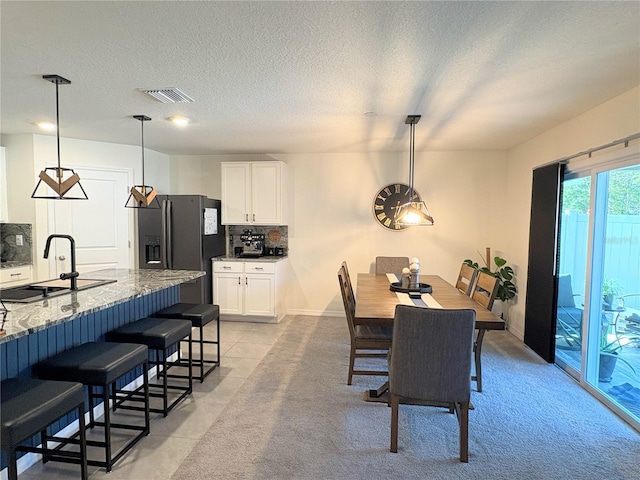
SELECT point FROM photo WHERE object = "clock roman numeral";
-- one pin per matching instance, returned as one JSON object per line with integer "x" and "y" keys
{"x": 378, "y": 207}
{"x": 381, "y": 216}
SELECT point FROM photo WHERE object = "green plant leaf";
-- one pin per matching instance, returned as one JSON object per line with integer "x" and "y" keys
{"x": 499, "y": 261}
{"x": 471, "y": 263}
{"x": 506, "y": 273}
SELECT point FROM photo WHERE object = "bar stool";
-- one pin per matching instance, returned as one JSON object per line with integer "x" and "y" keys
{"x": 28, "y": 407}
{"x": 99, "y": 365}
{"x": 200, "y": 314}
{"x": 159, "y": 335}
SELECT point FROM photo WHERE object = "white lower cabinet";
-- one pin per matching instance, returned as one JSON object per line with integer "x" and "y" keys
{"x": 248, "y": 290}
{"x": 12, "y": 276}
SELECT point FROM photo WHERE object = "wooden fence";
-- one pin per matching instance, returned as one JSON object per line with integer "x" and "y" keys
{"x": 621, "y": 252}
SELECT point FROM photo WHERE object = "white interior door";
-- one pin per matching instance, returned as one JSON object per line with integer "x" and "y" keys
{"x": 100, "y": 225}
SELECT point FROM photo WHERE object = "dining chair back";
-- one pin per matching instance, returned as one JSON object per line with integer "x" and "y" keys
{"x": 466, "y": 279}
{"x": 391, "y": 264}
{"x": 366, "y": 340}
{"x": 430, "y": 363}
{"x": 485, "y": 289}
{"x": 349, "y": 284}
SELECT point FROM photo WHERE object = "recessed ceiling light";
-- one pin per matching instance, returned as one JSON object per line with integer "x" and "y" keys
{"x": 48, "y": 126}
{"x": 370, "y": 114}
{"x": 178, "y": 120}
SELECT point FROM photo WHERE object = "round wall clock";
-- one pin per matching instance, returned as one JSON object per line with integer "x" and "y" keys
{"x": 387, "y": 202}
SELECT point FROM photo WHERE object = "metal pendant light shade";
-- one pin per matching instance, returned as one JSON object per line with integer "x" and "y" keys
{"x": 142, "y": 196}
{"x": 64, "y": 182}
{"x": 414, "y": 212}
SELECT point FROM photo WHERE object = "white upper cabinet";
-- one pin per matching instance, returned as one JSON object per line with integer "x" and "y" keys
{"x": 254, "y": 193}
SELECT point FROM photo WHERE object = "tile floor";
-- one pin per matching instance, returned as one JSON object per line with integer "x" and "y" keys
{"x": 158, "y": 456}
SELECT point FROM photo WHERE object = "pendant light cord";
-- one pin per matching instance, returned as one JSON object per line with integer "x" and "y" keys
{"x": 142, "y": 145}
{"x": 411, "y": 160}
{"x": 58, "y": 172}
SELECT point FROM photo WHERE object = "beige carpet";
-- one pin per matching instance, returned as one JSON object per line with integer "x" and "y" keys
{"x": 295, "y": 418}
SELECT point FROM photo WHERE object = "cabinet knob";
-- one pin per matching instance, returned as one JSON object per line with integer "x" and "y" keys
{"x": 247, "y": 217}
{"x": 62, "y": 258}
{"x": 16, "y": 274}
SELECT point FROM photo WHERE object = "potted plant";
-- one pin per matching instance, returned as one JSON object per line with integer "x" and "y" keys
{"x": 609, "y": 357}
{"x": 610, "y": 290}
{"x": 507, "y": 290}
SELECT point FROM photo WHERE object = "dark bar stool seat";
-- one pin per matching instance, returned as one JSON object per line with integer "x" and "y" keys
{"x": 99, "y": 365}
{"x": 200, "y": 314}
{"x": 160, "y": 335}
{"x": 27, "y": 407}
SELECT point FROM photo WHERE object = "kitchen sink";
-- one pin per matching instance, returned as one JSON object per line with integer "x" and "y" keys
{"x": 47, "y": 289}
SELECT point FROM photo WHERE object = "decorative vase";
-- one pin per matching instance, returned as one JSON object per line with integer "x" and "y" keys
{"x": 498, "y": 308}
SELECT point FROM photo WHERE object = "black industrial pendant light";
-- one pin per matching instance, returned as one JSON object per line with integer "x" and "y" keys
{"x": 142, "y": 196}
{"x": 63, "y": 181}
{"x": 413, "y": 213}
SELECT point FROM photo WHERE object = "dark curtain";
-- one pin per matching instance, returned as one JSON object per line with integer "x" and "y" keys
{"x": 540, "y": 313}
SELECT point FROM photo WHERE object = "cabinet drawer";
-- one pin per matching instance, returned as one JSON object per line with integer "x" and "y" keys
{"x": 227, "y": 267}
{"x": 15, "y": 274}
{"x": 259, "y": 267}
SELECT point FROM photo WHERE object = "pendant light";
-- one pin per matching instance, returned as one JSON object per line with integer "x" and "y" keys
{"x": 413, "y": 213}
{"x": 63, "y": 181}
{"x": 142, "y": 196}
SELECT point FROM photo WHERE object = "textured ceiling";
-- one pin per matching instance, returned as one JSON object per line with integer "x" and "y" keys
{"x": 292, "y": 77}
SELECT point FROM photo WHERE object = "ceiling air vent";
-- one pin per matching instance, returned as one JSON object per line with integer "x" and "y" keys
{"x": 167, "y": 95}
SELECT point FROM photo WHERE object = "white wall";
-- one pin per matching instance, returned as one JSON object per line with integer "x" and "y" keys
{"x": 28, "y": 154}
{"x": 615, "y": 119}
{"x": 21, "y": 178}
{"x": 331, "y": 216}
{"x": 200, "y": 174}
{"x": 331, "y": 219}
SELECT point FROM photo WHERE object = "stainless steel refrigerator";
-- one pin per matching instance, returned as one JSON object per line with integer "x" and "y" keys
{"x": 184, "y": 234}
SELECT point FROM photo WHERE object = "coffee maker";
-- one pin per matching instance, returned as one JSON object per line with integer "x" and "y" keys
{"x": 252, "y": 244}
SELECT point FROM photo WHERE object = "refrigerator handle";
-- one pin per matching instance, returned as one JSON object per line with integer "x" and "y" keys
{"x": 164, "y": 236}
{"x": 169, "y": 234}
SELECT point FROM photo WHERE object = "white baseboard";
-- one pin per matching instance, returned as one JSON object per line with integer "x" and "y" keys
{"x": 317, "y": 313}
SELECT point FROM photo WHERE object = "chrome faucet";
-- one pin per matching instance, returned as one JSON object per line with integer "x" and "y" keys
{"x": 73, "y": 275}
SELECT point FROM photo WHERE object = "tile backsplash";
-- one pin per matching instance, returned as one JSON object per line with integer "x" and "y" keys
{"x": 274, "y": 236}
{"x": 16, "y": 244}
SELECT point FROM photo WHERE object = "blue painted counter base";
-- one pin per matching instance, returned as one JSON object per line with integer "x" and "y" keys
{"x": 17, "y": 356}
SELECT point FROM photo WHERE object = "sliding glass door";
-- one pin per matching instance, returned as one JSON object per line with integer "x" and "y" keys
{"x": 598, "y": 301}
{"x": 572, "y": 269}
{"x": 615, "y": 287}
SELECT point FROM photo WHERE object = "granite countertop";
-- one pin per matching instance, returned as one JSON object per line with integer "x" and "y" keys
{"x": 15, "y": 263}
{"x": 231, "y": 258}
{"x": 25, "y": 318}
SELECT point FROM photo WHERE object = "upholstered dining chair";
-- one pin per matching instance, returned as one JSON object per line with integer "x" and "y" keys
{"x": 485, "y": 289}
{"x": 430, "y": 362}
{"x": 366, "y": 340}
{"x": 391, "y": 264}
{"x": 466, "y": 279}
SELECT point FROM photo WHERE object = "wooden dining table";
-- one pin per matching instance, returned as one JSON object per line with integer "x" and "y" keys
{"x": 376, "y": 305}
